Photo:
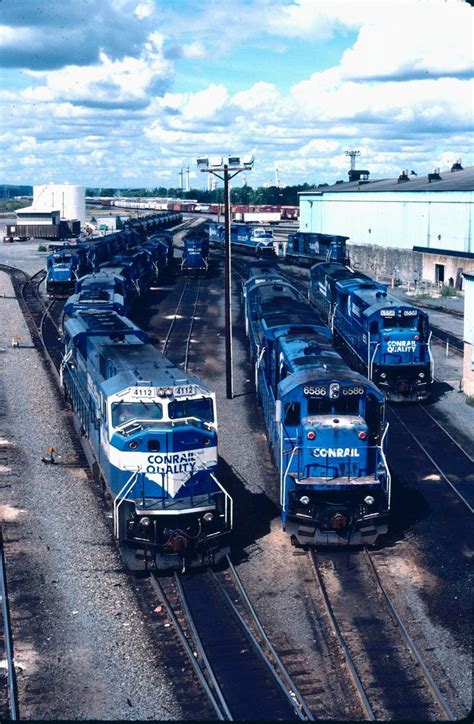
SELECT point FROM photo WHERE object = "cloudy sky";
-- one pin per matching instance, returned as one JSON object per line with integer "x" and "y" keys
{"x": 124, "y": 93}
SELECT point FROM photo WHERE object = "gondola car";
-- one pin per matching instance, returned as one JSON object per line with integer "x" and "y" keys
{"x": 387, "y": 339}
{"x": 325, "y": 423}
{"x": 306, "y": 248}
{"x": 247, "y": 238}
{"x": 150, "y": 433}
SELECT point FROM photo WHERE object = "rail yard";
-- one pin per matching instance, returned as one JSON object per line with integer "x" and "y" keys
{"x": 275, "y": 631}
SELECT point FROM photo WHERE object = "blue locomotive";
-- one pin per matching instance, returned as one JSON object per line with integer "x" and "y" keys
{"x": 325, "y": 422}
{"x": 385, "y": 338}
{"x": 67, "y": 264}
{"x": 306, "y": 248}
{"x": 150, "y": 434}
{"x": 246, "y": 238}
{"x": 195, "y": 253}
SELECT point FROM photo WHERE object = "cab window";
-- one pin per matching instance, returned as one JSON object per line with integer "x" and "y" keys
{"x": 292, "y": 413}
{"x": 123, "y": 412}
{"x": 201, "y": 409}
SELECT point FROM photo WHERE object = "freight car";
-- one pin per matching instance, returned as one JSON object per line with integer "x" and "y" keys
{"x": 325, "y": 423}
{"x": 150, "y": 434}
{"x": 308, "y": 248}
{"x": 246, "y": 238}
{"x": 385, "y": 338}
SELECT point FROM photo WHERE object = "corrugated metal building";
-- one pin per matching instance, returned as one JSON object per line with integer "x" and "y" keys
{"x": 413, "y": 224}
{"x": 468, "y": 373}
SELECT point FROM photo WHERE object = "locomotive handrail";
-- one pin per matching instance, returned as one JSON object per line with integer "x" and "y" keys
{"x": 373, "y": 357}
{"x": 122, "y": 494}
{"x": 389, "y": 477}
{"x": 229, "y": 507}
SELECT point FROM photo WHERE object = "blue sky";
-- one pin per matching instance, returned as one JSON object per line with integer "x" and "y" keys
{"x": 126, "y": 92}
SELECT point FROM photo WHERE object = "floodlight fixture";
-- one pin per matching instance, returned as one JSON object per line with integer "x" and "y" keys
{"x": 234, "y": 161}
{"x": 216, "y": 161}
{"x": 248, "y": 160}
{"x": 202, "y": 163}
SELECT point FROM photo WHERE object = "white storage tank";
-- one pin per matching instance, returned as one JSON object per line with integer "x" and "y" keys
{"x": 68, "y": 198}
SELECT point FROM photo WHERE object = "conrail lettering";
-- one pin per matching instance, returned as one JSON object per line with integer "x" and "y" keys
{"x": 336, "y": 452}
{"x": 401, "y": 345}
{"x": 175, "y": 463}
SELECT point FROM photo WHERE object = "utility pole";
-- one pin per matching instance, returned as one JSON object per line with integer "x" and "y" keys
{"x": 226, "y": 170}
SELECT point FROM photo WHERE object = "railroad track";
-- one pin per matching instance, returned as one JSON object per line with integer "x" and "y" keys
{"x": 389, "y": 675}
{"x": 235, "y": 662}
{"x": 453, "y": 463}
{"x": 177, "y": 343}
{"x": 8, "y": 690}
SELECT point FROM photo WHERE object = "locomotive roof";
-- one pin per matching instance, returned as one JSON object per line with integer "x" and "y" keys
{"x": 99, "y": 279}
{"x": 325, "y": 375}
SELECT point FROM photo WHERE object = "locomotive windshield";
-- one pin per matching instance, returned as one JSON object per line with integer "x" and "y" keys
{"x": 123, "y": 412}
{"x": 400, "y": 322}
{"x": 201, "y": 409}
{"x": 341, "y": 406}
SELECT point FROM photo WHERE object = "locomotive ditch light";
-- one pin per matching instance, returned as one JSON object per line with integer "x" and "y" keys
{"x": 145, "y": 521}
{"x": 421, "y": 375}
{"x": 208, "y": 517}
{"x": 304, "y": 500}
{"x": 369, "y": 500}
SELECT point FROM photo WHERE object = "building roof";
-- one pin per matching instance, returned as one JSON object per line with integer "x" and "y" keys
{"x": 450, "y": 181}
{"x": 32, "y": 211}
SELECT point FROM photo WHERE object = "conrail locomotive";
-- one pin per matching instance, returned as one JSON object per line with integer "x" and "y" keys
{"x": 195, "y": 252}
{"x": 307, "y": 248}
{"x": 150, "y": 433}
{"x": 325, "y": 423}
{"x": 386, "y": 339}
{"x": 247, "y": 238}
{"x": 68, "y": 263}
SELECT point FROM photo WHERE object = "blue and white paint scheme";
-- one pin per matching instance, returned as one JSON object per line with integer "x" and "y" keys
{"x": 248, "y": 238}
{"x": 325, "y": 423}
{"x": 150, "y": 431}
{"x": 387, "y": 339}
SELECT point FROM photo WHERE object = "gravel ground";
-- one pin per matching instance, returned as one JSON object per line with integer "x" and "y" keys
{"x": 82, "y": 649}
{"x": 276, "y": 575}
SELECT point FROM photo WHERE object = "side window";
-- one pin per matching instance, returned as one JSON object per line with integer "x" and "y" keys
{"x": 292, "y": 413}
{"x": 374, "y": 328}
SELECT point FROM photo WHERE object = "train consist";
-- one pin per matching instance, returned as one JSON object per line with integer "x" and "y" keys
{"x": 325, "y": 422}
{"x": 308, "y": 248}
{"x": 195, "y": 252}
{"x": 149, "y": 431}
{"x": 66, "y": 264}
{"x": 248, "y": 238}
{"x": 386, "y": 339}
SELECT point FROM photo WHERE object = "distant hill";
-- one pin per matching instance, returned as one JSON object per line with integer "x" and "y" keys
{"x": 8, "y": 191}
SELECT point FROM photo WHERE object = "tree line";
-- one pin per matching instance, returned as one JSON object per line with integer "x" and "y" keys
{"x": 263, "y": 195}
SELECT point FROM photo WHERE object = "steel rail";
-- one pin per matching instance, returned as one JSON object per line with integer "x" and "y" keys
{"x": 158, "y": 588}
{"x": 294, "y": 696}
{"x": 448, "y": 434}
{"x": 167, "y": 338}
{"x": 433, "y": 462}
{"x": 8, "y": 639}
{"x": 345, "y": 650}
{"x": 411, "y": 644}
{"x": 202, "y": 653}
{"x": 188, "y": 341}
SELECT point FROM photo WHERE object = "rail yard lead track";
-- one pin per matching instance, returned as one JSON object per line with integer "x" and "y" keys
{"x": 239, "y": 670}
{"x": 180, "y": 331}
{"x": 388, "y": 672}
{"x": 8, "y": 692}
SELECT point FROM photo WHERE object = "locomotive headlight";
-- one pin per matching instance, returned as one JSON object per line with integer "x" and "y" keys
{"x": 383, "y": 375}
{"x": 169, "y": 391}
{"x": 421, "y": 375}
{"x": 304, "y": 500}
{"x": 369, "y": 500}
{"x": 145, "y": 522}
{"x": 208, "y": 517}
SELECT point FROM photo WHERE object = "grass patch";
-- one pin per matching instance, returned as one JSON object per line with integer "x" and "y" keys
{"x": 42, "y": 247}
{"x": 448, "y": 291}
{"x": 470, "y": 401}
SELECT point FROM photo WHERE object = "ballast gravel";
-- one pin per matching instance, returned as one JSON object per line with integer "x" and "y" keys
{"x": 82, "y": 647}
